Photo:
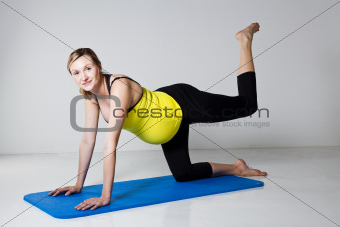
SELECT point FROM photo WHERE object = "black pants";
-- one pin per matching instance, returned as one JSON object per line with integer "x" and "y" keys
{"x": 203, "y": 107}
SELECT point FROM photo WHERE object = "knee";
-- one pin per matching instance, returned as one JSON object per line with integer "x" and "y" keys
{"x": 182, "y": 177}
{"x": 252, "y": 110}
{"x": 245, "y": 112}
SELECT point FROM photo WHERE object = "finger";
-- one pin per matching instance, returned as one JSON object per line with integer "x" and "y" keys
{"x": 56, "y": 193}
{"x": 79, "y": 205}
{"x": 86, "y": 207}
{"x": 94, "y": 207}
{"x": 51, "y": 192}
{"x": 82, "y": 205}
{"x": 91, "y": 205}
{"x": 59, "y": 190}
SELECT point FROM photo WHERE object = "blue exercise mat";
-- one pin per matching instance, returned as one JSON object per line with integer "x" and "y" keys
{"x": 137, "y": 193}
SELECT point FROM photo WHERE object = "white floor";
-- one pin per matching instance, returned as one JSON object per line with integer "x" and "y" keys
{"x": 302, "y": 189}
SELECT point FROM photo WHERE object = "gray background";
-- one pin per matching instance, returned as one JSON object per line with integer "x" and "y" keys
{"x": 159, "y": 43}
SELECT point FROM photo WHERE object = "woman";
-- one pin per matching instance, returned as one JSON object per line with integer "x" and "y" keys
{"x": 183, "y": 105}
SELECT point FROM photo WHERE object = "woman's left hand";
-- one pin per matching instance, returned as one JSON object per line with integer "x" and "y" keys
{"x": 94, "y": 203}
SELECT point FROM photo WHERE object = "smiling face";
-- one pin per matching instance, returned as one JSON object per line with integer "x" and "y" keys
{"x": 85, "y": 72}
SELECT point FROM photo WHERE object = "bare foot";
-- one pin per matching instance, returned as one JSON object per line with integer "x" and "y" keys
{"x": 241, "y": 169}
{"x": 246, "y": 35}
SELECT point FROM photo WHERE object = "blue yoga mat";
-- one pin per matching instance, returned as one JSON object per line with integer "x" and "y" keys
{"x": 137, "y": 193}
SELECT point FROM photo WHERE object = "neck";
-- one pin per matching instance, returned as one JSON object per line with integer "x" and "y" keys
{"x": 101, "y": 87}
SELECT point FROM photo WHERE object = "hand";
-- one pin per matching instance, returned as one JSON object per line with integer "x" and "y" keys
{"x": 69, "y": 190}
{"x": 94, "y": 203}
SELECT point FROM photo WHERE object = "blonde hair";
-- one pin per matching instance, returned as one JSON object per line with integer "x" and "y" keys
{"x": 77, "y": 54}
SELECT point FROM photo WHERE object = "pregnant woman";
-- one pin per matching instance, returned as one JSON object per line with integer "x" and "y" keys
{"x": 160, "y": 117}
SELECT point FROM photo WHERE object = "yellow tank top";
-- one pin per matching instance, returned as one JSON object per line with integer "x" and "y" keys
{"x": 156, "y": 117}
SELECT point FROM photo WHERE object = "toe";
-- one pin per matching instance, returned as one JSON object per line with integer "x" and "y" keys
{"x": 257, "y": 172}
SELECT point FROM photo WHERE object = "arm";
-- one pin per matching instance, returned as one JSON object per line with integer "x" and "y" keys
{"x": 117, "y": 117}
{"x": 85, "y": 149}
{"x": 87, "y": 143}
{"x": 123, "y": 93}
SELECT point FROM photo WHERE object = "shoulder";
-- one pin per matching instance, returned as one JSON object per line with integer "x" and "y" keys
{"x": 123, "y": 88}
{"x": 114, "y": 76}
{"x": 123, "y": 83}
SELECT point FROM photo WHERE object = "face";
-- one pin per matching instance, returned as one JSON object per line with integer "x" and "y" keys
{"x": 85, "y": 73}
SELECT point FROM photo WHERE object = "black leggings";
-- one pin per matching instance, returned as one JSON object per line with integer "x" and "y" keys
{"x": 203, "y": 107}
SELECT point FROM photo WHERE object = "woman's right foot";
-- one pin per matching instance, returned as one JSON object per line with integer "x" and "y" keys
{"x": 246, "y": 35}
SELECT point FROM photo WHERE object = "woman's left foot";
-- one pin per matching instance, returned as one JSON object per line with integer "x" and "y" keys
{"x": 241, "y": 169}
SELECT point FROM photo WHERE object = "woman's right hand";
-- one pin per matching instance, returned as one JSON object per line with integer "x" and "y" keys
{"x": 67, "y": 190}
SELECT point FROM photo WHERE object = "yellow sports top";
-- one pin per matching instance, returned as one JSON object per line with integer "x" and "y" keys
{"x": 156, "y": 117}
